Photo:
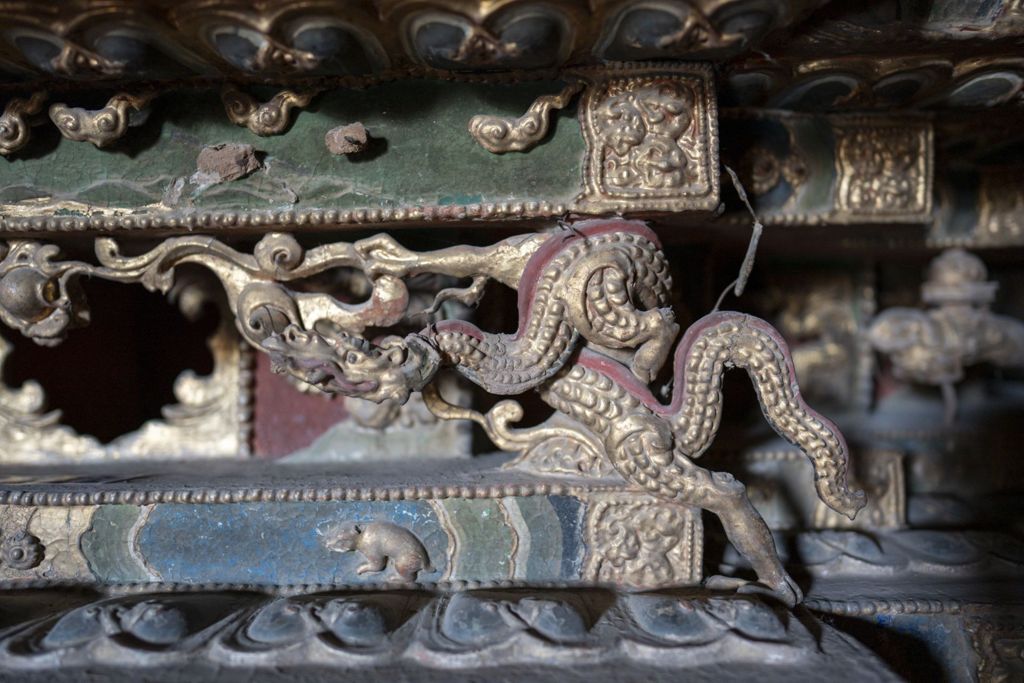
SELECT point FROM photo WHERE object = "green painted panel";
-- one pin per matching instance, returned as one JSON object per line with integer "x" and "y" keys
{"x": 107, "y": 545}
{"x": 422, "y": 155}
{"x": 484, "y": 542}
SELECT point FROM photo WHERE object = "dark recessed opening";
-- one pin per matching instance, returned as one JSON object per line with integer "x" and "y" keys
{"x": 110, "y": 377}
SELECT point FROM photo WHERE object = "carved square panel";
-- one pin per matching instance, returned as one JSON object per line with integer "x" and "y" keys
{"x": 884, "y": 172}
{"x": 639, "y": 541}
{"x": 652, "y": 140}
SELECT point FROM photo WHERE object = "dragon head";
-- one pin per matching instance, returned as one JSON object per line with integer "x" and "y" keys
{"x": 341, "y": 363}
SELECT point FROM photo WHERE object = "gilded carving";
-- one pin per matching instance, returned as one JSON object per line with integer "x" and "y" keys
{"x": 288, "y": 37}
{"x": 860, "y": 81}
{"x": 639, "y": 540}
{"x": 263, "y": 118}
{"x": 101, "y": 127}
{"x": 210, "y": 419}
{"x": 264, "y": 308}
{"x": 76, "y": 60}
{"x": 595, "y": 330}
{"x": 958, "y": 329}
{"x": 881, "y": 474}
{"x": 568, "y": 454}
{"x": 558, "y": 446}
{"x": 499, "y": 134}
{"x": 15, "y": 122}
{"x": 884, "y": 173}
{"x": 1000, "y": 208}
{"x": 42, "y": 297}
{"x": 115, "y": 39}
{"x": 692, "y": 29}
{"x": 651, "y": 141}
{"x": 464, "y": 36}
{"x": 126, "y": 40}
{"x": 648, "y": 443}
{"x": 381, "y": 543}
{"x": 828, "y": 313}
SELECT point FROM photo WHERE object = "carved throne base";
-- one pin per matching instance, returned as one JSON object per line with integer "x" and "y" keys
{"x": 362, "y": 527}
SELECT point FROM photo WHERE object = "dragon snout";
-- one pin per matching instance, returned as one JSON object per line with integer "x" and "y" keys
{"x": 291, "y": 339}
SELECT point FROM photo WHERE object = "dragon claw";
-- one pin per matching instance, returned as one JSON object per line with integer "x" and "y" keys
{"x": 784, "y": 589}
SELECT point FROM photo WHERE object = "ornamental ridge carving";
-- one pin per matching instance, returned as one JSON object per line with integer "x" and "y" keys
{"x": 884, "y": 173}
{"x": 121, "y": 39}
{"x": 101, "y": 127}
{"x": 15, "y": 123}
{"x": 595, "y": 329}
{"x": 652, "y": 141}
{"x": 263, "y": 118}
{"x": 499, "y": 134}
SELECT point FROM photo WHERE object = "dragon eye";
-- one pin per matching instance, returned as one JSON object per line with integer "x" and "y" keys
{"x": 352, "y": 357}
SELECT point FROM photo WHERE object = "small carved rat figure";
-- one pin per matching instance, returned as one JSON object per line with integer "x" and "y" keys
{"x": 380, "y": 542}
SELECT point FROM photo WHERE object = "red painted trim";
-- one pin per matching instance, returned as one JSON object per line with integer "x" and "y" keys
{"x": 541, "y": 258}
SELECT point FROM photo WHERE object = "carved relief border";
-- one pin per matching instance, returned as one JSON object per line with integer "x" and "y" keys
{"x": 122, "y": 39}
{"x": 864, "y": 82}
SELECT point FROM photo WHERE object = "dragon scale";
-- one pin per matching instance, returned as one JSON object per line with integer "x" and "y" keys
{"x": 609, "y": 267}
{"x": 597, "y": 392}
{"x": 594, "y": 330}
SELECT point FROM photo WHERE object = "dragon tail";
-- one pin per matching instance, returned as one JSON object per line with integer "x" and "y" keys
{"x": 727, "y": 339}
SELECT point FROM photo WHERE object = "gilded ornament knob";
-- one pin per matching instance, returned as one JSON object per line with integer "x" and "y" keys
{"x": 28, "y": 293}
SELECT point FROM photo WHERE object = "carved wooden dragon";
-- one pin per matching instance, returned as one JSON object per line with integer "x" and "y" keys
{"x": 594, "y": 329}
